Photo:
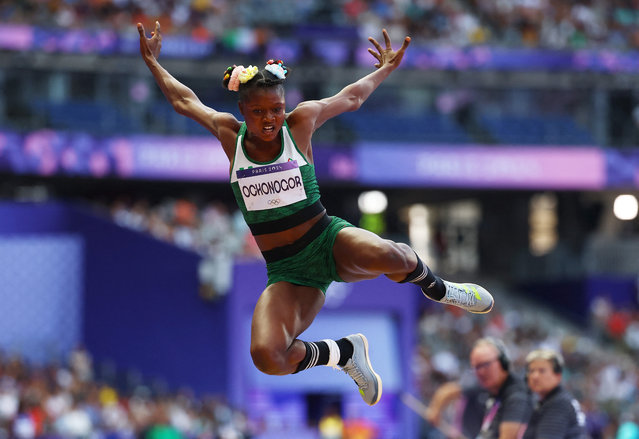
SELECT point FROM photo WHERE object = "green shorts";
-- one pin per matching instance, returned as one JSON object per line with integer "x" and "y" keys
{"x": 314, "y": 264}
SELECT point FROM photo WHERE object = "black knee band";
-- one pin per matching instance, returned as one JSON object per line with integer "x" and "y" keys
{"x": 307, "y": 358}
{"x": 420, "y": 272}
{"x": 317, "y": 354}
{"x": 430, "y": 284}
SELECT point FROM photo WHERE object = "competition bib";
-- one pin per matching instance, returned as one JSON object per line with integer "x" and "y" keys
{"x": 271, "y": 186}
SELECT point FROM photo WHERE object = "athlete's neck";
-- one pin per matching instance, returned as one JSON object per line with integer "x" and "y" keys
{"x": 260, "y": 150}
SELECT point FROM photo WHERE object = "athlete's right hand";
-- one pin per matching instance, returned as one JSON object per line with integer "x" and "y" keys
{"x": 150, "y": 47}
{"x": 388, "y": 56}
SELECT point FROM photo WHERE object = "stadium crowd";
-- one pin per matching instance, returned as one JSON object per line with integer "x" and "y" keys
{"x": 206, "y": 228}
{"x": 535, "y": 23}
{"x": 71, "y": 401}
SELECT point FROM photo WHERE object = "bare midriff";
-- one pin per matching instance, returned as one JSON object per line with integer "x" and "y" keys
{"x": 270, "y": 241}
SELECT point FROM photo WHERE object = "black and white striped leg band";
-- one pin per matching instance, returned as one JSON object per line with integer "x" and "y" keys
{"x": 419, "y": 273}
{"x": 311, "y": 357}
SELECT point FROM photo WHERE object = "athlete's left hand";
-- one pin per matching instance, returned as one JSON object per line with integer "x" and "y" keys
{"x": 387, "y": 56}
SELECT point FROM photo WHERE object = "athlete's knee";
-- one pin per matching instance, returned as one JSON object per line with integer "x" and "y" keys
{"x": 268, "y": 359}
{"x": 389, "y": 255}
{"x": 408, "y": 258}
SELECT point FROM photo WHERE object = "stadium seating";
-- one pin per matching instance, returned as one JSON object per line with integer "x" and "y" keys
{"x": 536, "y": 130}
{"x": 84, "y": 115}
{"x": 399, "y": 127}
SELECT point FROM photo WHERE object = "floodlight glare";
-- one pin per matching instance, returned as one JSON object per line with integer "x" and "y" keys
{"x": 626, "y": 207}
{"x": 372, "y": 202}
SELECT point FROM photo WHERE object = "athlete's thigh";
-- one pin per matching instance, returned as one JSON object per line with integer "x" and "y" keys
{"x": 283, "y": 311}
{"x": 355, "y": 252}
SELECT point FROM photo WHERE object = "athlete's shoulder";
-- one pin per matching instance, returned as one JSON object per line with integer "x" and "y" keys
{"x": 307, "y": 106}
{"x": 226, "y": 130}
{"x": 224, "y": 120}
{"x": 304, "y": 113}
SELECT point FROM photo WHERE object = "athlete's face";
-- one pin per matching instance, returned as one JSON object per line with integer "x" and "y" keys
{"x": 541, "y": 377}
{"x": 264, "y": 112}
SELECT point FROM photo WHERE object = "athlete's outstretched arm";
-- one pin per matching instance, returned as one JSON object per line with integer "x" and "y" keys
{"x": 351, "y": 97}
{"x": 182, "y": 98}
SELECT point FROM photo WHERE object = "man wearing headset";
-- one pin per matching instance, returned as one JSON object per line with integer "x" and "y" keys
{"x": 498, "y": 406}
{"x": 557, "y": 414}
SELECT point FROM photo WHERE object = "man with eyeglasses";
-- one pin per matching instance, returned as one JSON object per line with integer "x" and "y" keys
{"x": 496, "y": 406}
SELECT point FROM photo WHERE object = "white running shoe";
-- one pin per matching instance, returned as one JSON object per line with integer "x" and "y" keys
{"x": 469, "y": 297}
{"x": 360, "y": 370}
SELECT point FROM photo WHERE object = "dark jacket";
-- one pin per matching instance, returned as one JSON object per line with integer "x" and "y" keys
{"x": 557, "y": 416}
{"x": 483, "y": 413}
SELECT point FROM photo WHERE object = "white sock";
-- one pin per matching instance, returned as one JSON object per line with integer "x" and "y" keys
{"x": 334, "y": 353}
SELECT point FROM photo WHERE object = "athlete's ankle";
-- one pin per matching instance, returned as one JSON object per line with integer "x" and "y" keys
{"x": 325, "y": 353}
{"x": 317, "y": 353}
{"x": 430, "y": 284}
{"x": 435, "y": 290}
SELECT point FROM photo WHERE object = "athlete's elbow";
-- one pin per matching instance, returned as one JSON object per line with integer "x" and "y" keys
{"x": 354, "y": 103}
{"x": 180, "y": 106}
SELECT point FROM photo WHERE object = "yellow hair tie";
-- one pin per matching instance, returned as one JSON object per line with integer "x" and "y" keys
{"x": 247, "y": 74}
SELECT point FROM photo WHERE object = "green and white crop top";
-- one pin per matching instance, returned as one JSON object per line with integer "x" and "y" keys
{"x": 277, "y": 195}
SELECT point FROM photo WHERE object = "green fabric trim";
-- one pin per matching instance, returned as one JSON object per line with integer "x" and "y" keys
{"x": 314, "y": 266}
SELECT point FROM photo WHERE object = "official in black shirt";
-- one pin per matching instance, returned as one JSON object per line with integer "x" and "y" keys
{"x": 498, "y": 406}
{"x": 557, "y": 414}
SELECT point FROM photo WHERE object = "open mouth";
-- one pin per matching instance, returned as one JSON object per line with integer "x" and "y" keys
{"x": 268, "y": 129}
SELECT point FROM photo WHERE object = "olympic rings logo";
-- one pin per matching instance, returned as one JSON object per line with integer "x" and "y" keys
{"x": 274, "y": 202}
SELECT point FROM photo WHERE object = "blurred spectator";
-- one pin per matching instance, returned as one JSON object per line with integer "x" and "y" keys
{"x": 557, "y": 413}
{"x": 628, "y": 428}
{"x": 331, "y": 424}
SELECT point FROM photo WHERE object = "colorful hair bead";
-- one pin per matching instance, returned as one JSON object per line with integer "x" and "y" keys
{"x": 227, "y": 73}
{"x": 277, "y": 68}
{"x": 247, "y": 74}
{"x": 234, "y": 82}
